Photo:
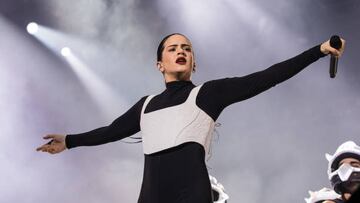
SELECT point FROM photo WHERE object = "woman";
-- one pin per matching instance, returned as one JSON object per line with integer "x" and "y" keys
{"x": 177, "y": 124}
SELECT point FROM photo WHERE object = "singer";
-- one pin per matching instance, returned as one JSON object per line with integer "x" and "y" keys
{"x": 178, "y": 123}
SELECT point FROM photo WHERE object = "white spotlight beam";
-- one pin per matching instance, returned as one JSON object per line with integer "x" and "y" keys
{"x": 97, "y": 88}
{"x": 103, "y": 95}
{"x": 262, "y": 23}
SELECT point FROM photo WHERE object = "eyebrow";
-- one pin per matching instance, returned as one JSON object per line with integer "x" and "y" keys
{"x": 351, "y": 162}
{"x": 182, "y": 45}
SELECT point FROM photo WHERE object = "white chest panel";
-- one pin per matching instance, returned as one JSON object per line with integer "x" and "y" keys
{"x": 175, "y": 125}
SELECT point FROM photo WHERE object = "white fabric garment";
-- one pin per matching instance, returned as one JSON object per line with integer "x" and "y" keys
{"x": 175, "y": 125}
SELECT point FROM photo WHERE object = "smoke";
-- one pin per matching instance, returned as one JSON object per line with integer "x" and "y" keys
{"x": 279, "y": 138}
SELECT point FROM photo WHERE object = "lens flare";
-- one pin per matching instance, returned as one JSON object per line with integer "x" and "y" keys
{"x": 32, "y": 28}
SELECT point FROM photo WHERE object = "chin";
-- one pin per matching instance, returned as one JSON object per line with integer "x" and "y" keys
{"x": 182, "y": 69}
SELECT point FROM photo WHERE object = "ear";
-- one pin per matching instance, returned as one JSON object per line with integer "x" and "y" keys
{"x": 160, "y": 67}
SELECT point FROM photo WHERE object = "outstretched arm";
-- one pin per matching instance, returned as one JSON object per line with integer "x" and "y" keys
{"x": 124, "y": 126}
{"x": 215, "y": 95}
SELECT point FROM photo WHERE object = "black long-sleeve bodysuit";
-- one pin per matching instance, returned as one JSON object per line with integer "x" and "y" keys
{"x": 179, "y": 174}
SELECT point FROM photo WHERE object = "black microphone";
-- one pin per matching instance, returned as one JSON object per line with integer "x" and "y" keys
{"x": 335, "y": 42}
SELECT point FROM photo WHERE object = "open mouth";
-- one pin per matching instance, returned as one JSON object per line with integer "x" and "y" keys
{"x": 181, "y": 60}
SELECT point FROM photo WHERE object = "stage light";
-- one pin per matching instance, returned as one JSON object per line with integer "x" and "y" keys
{"x": 98, "y": 89}
{"x": 66, "y": 51}
{"x": 32, "y": 28}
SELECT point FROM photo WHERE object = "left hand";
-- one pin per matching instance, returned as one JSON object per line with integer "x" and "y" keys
{"x": 56, "y": 145}
{"x": 325, "y": 48}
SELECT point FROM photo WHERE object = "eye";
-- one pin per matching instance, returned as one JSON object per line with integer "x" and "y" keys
{"x": 172, "y": 49}
{"x": 187, "y": 49}
{"x": 355, "y": 164}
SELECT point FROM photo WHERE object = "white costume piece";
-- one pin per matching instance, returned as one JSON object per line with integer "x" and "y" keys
{"x": 169, "y": 127}
{"x": 219, "y": 188}
{"x": 322, "y": 195}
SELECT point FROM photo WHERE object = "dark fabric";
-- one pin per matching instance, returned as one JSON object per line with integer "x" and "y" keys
{"x": 355, "y": 198}
{"x": 176, "y": 175}
{"x": 334, "y": 200}
{"x": 124, "y": 126}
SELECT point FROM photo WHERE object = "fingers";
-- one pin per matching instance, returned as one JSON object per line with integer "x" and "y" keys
{"x": 343, "y": 42}
{"x": 43, "y": 148}
{"x": 49, "y": 137}
{"x": 327, "y": 49}
{"x": 342, "y": 47}
{"x": 53, "y": 148}
{"x": 334, "y": 51}
{"x": 55, "y": 137}
{"x": 47, "y": 148}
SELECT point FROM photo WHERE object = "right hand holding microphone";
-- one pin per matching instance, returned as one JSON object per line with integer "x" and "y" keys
{"x": 326, "y": 48}
{"x": 335, "y": 46}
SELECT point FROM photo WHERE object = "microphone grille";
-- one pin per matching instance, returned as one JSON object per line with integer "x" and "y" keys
{"x": 335, "y": 42}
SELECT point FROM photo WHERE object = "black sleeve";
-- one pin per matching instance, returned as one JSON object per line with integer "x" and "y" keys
{"x": 124, "y": 126}
{"x": 215, "y": 95}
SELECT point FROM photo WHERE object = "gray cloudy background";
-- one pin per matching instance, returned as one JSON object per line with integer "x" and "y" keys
{"x": 269, "y": 148}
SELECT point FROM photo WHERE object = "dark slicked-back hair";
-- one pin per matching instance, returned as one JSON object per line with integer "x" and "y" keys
{"x": 161, "y": 47}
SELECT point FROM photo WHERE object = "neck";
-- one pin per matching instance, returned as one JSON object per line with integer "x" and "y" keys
{"x": 177, "y": 77}
{"x": 178, "y": 84}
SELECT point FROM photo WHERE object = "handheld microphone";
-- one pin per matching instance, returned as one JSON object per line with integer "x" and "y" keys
{"x": 335, "y": 42}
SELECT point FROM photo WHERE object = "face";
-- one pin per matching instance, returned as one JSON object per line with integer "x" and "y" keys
{"x": 354, "y": 163}
{"x": 351, "y": 161}
{"x": 177, "y": 59}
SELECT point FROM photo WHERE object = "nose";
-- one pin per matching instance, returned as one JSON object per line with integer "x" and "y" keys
{"x": 181, "y": 52}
